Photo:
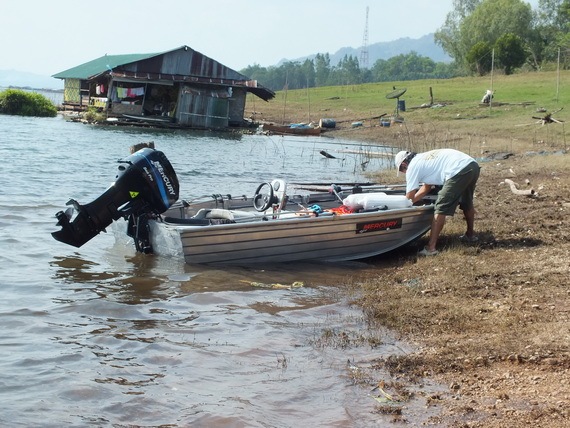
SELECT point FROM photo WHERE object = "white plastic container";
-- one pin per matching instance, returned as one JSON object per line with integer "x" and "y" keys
{"x": 370, "y": 201}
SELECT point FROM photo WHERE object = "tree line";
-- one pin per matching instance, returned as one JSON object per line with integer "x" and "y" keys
{"x": 319, "y": 71}
{"x": 477, "y": 34}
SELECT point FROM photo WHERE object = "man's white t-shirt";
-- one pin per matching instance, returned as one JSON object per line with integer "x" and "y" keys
{"x": 435, "y": 167}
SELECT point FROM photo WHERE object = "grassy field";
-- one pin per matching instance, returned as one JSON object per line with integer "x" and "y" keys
{"x": 456, "y": 117}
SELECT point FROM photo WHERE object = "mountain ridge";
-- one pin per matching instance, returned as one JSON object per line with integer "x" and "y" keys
{"x": 423, "y": 46}
{"x": 24, "y": 79}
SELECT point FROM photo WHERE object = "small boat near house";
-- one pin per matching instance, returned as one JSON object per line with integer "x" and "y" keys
{"x": 278, "y": 223}
{"x": 291, "y": 129}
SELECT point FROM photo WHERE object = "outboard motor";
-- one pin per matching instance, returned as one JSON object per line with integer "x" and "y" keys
{"x": 145, "y": 185}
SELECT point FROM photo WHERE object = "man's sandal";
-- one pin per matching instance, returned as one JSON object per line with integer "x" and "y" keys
{"x": 426, "y": 253}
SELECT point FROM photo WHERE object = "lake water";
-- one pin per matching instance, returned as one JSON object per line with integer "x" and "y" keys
{"x": 102, "y": 336}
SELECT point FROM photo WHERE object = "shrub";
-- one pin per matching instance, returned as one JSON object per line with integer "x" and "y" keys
{"x": 93, "y": 115}
{"x": 22, "y": 103}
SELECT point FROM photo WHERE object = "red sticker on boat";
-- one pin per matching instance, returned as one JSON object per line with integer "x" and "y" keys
{"x": 379, "y": 225}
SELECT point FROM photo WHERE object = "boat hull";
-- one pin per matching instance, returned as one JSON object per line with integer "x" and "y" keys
{"x": 328, "y": 237}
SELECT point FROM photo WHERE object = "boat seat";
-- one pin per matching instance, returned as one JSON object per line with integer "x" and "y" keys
{"x": 205, "y": 217}
{"x": 214, "y": 213}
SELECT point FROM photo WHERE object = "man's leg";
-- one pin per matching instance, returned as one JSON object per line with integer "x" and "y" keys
{"x": 470, "y": 220}
{"x": 436, "y": 228}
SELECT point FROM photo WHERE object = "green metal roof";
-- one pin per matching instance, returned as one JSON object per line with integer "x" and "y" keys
{"x": 99, "y": 65}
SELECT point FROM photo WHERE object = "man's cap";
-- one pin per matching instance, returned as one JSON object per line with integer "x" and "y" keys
{"x": 400, "y": 157}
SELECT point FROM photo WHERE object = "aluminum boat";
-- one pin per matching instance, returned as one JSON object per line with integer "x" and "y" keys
{"x": 280, "y": 222}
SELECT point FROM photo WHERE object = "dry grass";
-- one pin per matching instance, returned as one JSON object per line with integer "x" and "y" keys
{"x": 491, "y": 320}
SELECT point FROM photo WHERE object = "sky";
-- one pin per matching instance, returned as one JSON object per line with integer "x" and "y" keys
{"x": 47, "y": 37}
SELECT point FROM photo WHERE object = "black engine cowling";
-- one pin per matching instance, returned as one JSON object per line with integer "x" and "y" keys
{"x": 146, "y": 184}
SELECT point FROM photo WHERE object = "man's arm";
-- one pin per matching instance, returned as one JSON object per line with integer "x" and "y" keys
{"x": 418, "y": 194}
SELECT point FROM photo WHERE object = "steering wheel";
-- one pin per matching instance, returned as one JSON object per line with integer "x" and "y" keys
{"x": 263, "y": 198}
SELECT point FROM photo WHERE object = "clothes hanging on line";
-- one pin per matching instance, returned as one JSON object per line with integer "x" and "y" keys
{"x": 130, "y": 92}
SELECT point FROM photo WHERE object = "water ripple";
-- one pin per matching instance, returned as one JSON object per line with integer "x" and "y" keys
{"x": 102, "y": 336}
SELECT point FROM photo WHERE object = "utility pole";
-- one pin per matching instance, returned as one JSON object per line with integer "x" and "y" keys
{"x": 558, "y": 76}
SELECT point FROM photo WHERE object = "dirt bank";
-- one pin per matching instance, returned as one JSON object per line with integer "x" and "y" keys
{"x": 491, "y": 320}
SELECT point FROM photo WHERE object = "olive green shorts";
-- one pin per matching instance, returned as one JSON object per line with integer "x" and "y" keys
{"x": 458, "y": 190}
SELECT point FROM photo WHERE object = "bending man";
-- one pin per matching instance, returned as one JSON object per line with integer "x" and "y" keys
{"x": 456, "y": 172}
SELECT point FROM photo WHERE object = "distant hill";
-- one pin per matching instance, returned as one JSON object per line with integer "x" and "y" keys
{"x": 23, "y": 79}
{"x": 424, "y": 46}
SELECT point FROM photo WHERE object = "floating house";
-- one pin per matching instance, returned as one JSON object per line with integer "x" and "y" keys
{"x": 180, "y": 87}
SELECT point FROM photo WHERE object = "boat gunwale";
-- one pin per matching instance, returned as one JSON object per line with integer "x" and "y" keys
{"x": 266, "y": 220}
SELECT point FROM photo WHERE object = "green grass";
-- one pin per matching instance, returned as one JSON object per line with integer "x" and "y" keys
{"x": 462, "y": 94}
{"x": 459, "y": 115}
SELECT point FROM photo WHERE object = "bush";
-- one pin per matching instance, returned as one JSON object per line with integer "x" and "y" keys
{"x": 22, "y": 103}
{"x": 93, "y": 115}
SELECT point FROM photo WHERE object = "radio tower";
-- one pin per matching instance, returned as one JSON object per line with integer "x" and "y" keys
{"x": 364, "y": 50}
